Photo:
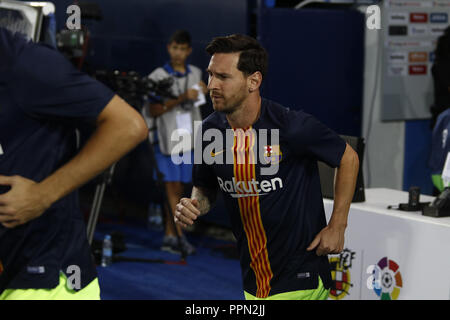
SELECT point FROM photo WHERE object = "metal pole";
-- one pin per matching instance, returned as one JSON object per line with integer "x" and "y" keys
{"x": 97, "y": 203}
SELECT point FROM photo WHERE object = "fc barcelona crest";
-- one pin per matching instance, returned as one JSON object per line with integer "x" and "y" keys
{"x": 272, "y": 154}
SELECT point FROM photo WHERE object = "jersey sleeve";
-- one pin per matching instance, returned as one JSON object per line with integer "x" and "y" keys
{"x": 307, "y": 136}
{"x": 203, "y": 175}
{"x": 45, "y": 84}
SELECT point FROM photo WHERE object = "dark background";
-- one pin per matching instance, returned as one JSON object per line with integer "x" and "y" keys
{"x": 315, "y": 64}
{"x": 316, "y": 59}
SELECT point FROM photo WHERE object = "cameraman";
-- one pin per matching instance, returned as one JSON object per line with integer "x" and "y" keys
{"x": 440, "y": 120}
{"x": 43, "y": 98}
{"x": 441, "y": 76}
{"x": 171, "y": 115}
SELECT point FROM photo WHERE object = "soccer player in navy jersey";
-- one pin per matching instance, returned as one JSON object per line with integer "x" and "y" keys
{"x": 43, "y": 98}
{"x": 278, "y": 217}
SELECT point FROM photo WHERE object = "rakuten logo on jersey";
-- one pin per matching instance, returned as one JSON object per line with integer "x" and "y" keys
{"x": 239, "y": 189}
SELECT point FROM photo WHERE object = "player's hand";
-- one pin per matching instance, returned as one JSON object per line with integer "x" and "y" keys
{"x": 22, "y": 203}
{"x": 191, "y": 94}
{"x": 186, "y": 212}
{"x": 329, "y": 241}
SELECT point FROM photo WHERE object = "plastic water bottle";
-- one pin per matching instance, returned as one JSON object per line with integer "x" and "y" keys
{"x": 154, "y": 219}
{"x": 107, "y": 251}
{"x": 159, "y": 217}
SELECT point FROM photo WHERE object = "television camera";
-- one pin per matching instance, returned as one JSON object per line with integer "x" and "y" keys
{"x": 135, "y": 89}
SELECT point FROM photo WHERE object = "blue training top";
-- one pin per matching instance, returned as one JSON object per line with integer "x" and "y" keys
{"x": 43, "y": 98}
{"x": 440, "y": 146}
{"x": 274, "y": 216}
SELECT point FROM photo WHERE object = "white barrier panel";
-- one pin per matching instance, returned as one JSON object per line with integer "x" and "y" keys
{"x": 391, "y": 254}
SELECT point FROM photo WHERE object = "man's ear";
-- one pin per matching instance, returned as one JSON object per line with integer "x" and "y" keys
{"x": 254, "y": 81}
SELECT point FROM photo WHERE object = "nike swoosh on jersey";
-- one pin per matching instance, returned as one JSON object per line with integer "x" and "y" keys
{"x": 213, "y": 154}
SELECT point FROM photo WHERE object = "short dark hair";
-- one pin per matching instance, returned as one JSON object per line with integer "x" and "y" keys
{"x": 181, "y": 37}
{"x": 443, "y": 47}
{"x": 253, "y": 57}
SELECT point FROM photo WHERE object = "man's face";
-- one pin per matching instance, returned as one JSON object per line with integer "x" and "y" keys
{"x": 178, "y": 52}
{"x": 226, "y": 84}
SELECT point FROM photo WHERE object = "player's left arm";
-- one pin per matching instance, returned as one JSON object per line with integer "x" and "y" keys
{"x": 119, "y": 129}
{"x": 331, "y": 239}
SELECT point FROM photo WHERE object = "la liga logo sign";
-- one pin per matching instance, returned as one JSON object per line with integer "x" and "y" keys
{"x": 386, "y": 279}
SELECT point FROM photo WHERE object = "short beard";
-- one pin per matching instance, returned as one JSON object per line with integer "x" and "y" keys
{"x": 230, "y": 110}
{"x": 234, "y": 107}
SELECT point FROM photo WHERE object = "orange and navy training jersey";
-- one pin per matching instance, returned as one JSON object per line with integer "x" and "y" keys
{"x": 269, "y": 180}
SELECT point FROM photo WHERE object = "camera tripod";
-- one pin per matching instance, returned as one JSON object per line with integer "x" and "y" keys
{"x": 97, "y": 203}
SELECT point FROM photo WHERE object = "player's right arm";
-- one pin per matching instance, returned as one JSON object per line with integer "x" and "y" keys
{"x": 201, "y": 202}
